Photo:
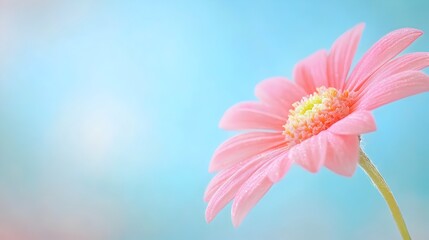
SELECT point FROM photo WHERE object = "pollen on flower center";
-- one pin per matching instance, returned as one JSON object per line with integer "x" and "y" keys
{"x": 315, "y": 113}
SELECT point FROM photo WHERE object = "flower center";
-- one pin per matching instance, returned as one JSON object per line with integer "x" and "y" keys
{"x": 316, "y": 113}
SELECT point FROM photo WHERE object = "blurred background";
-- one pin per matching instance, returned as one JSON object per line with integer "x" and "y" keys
{"x": 109, "y": 113}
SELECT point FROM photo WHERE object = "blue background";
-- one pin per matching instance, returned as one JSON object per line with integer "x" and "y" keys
{"x": 109, "y": 113}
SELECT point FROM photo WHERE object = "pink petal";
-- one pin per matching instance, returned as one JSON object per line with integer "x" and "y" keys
{"x": 381, "y": 52}
{"x": 310, "y": 153}
{"x": 219, "y": 180}
{"x": 226, "y": 192}
{"x": 279, "y": 167}
{"x": 408, "y": 62}
{"x": 242, "y": 147}
{"x": 356, "y": 123}
{"x": 250, "y": 194}
{"x": 341, "y": 56}
{"x": 311, "y": 72}
{"x": 225, "y": 188}
{"x": 343, "y": 153}
{"x": 251, "y": 115}
{"x": 280, "y": 93}
{"x": 393, "y": 88}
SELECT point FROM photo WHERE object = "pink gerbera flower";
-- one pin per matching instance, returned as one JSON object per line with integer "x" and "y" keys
{"x": 313, "y": 122}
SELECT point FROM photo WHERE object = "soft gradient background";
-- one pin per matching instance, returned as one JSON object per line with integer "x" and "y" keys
{"x": 109, "y": 113}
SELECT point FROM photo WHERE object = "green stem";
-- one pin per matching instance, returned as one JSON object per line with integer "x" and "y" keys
{"x": 382, "y": 186}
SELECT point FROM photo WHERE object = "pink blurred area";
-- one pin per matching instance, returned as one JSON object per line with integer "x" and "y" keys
{"x": 57, "y": 214}
{"x": 42, "y": 208}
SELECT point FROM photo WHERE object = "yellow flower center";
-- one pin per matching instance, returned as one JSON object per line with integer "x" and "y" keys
{"x": 316, "y": 113}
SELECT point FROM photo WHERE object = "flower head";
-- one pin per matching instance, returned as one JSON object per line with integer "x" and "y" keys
{"x": 315, "y": 121}
{"x": 316, "y": 113}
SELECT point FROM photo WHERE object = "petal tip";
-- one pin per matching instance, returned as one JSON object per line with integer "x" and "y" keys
{"x": 209, "y": 217}
{"x": 348, "y": 173}
{"x": 212, "y": 167}
{"x": 207, "y": 195}
{"x": 236, "y": 224}
{"x": 223, "y": 122}
{"x": 236, "y": 215}
{"x": 236, "y": 221}
{"x": 360, "y": 26}
{"x": 417, "y": 31}
{"x": 412, "y": 31}
{"x": 312, "y": 169}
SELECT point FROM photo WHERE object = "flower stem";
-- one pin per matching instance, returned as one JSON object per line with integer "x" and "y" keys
{"x": 382, "y": 186}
